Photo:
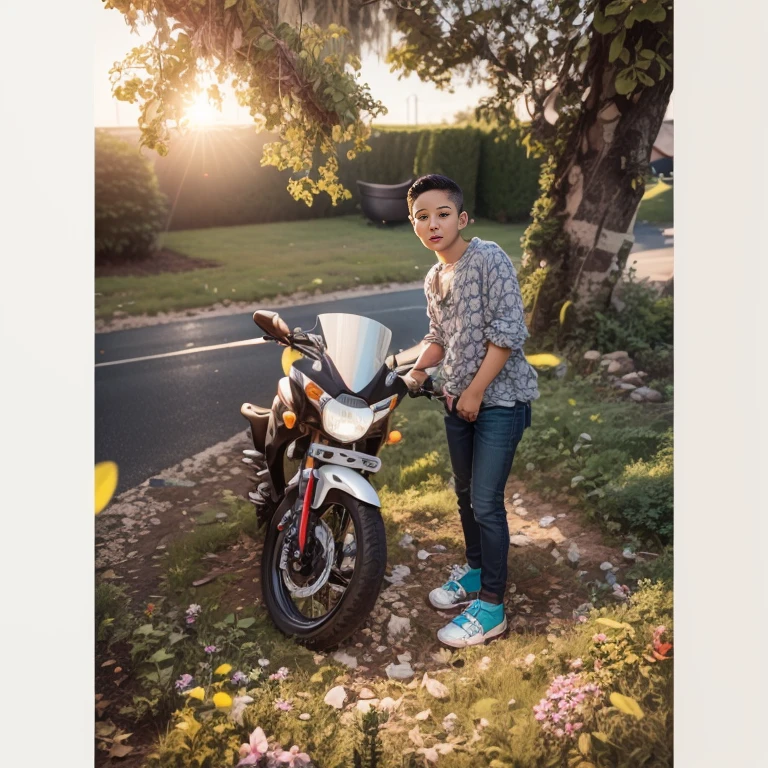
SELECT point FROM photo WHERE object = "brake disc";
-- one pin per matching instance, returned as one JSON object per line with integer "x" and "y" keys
{"x": 324, "y": 540}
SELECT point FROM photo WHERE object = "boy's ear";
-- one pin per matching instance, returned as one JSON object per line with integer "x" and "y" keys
{"x": 463, "y": 219}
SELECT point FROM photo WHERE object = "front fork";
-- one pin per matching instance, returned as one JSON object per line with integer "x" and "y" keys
{"x": 301, "y": 508}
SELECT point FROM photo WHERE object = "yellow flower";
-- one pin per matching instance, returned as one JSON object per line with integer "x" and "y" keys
{"x": 222, "y": 700}
{"x": 197, "y": 693}
{"x": 571, "y": 402}
{"x": 543, "y": 360}
{"x": 223, "y": 669}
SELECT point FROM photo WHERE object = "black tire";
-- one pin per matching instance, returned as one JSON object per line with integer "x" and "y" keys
{"x": 361, "y": 594}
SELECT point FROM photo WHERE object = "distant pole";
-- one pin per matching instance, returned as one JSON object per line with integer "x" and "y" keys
{"x": 415, "y": 109}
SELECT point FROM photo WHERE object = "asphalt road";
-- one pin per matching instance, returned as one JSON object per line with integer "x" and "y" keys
{"x": 152, "y": 414}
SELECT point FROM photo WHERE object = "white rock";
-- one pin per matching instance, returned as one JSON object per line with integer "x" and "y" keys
{"x": 518, "y": 503}
{"x": 629, "y": 554}
{"x": 366, "y": 693}
{"x": 484, "y": 663}
{"x": 388, "y": 704}
{"x": 648, "y": 394}
{"x": 381, "y": 648}
{"x": 519, "y": 540}
{"x": 545, "y": 522}
{"x": 345, "y": 659}
{"x": 434, "y": 687}
{"x": 398, "y": 625}
{"x": 511, "y": 703}
{"x": 573, "y": 553}
{"x": 422, "y": 554}
{"x": 221, "y": 461}
{"x": 592, "y": 354}
{"x": 620, "y": 367}
{"x": 585, "y": 436}
{"x": 515, "y": 495}
{"x": 305, "y": 716}
{"x": 430, "y": 754}
{"x": 606, "y": 566}
{"x": 403, "y": 657}
{"x": 529, "y": 659}
{"x": 624, "y": 386}
{"x": 438, "y": 548}
{"x": 336, "y": 697}
{"x": 632, "y": 378}
{"x": 522, "y": 511}
{"x": 365, "y": 705}
{"x": 406, "y": 541}
{"x": 449, "y": 722}
{"x": 399, "y": 572}
{"x": 637, "y": 398}
{"x": 620, "y": 355}
{"x": 555, "y": 554}
{"x": 399, "y": 671}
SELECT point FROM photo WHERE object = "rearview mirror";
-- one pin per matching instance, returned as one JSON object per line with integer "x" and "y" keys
{"x": 271, "y": 323}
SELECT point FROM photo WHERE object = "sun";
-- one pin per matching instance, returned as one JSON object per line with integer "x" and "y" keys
{"x": 202, "y": 113}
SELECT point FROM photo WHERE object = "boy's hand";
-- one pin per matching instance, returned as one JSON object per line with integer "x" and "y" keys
{"x": 415, "y": 379}
{"x": 469, "y": 404}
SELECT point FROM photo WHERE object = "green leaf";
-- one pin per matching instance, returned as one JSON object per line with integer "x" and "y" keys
{"x": 616, "y": 7}
{"x": 642, "y": 64}
{"x": 624, "y": 56}
{"x": 144, "y": 629}
{"x": 650, "y": 11}
{"x": 245, "y": 623}
{"x": 229, "y": 3}
{"x": 644, "y": 79}
{"x": 229, "y": 618}
{"x": 484, "y": 707}
{"x": 603, "y": 25}
{"x": 266, "y": 43}
{"x": 161, "y": 655}
{"x": 626, "y": 81}
{"x": 175, "y": 637}
{"x": 617, "y": 44}
{"x": 647, "y": 53}
{"x": 626, "y": 705}
{"x": 600, "y": 736}
{"x": 585, "y": 743}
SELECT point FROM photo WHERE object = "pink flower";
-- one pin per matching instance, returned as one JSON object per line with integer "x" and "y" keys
{"x": 252, "y": 752}
{"x": 284, "y": 705}
{"x": 281, "y": 674}
{"x": 292, "y": 757}
{"x": 601, "y": 638}
{"x": 577, "y": 664}
{"x": 583, "y": 619}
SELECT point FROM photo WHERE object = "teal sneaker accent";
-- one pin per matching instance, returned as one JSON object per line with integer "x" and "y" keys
{"x": 470, "y": 581}
{"x": 479, "y": 622}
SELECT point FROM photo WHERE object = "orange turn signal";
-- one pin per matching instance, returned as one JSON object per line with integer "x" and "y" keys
{"x": 394, "y": 437}
{"x": 289, "y": 419}
{"x": 393, "y": 403}
{"x": 313, "y": 391}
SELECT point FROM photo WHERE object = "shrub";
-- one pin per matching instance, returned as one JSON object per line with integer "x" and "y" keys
{"x": 112, "y": 612}
{"x": 642, "y": 499}
{"x": 508, "y": 180}
{"x": 645, "y": 322}
{"x": 130, "y": 209}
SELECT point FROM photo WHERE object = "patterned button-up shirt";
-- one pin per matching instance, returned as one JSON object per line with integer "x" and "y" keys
{"x": 484, "y": 304}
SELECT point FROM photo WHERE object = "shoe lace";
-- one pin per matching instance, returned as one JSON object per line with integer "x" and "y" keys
{"x": 457, "y": 571}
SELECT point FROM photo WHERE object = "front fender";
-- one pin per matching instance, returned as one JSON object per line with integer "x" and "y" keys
{"x": 346, "y": 480}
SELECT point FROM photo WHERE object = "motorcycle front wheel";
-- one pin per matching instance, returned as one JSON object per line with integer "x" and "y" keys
{"x": 323, "y": 607}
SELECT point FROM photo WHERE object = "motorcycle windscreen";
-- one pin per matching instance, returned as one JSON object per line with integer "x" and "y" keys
{"x": 357, "y": 345}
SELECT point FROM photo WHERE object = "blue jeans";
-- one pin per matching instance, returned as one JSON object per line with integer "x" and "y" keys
{"x": 481, "y": 457}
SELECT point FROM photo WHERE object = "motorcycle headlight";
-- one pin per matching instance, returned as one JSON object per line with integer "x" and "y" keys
{"x": 346, "y": 423}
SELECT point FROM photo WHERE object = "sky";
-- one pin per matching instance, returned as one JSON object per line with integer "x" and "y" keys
{"x": 113, "y": 39}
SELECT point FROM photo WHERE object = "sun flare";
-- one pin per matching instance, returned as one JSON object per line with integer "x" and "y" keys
{"x": 202, "y": 113}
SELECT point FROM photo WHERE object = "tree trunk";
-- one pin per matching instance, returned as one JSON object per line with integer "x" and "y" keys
{"x": 599, "y": 182}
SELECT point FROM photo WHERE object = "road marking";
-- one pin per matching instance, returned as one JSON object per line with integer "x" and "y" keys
{"x": 245, "y": 343}
{"x": 191, "y": 351}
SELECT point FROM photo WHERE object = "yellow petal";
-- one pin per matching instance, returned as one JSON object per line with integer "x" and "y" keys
{"x": 543, "y": 360}
{"x": 197, "y": 693}
{"x": 571, "y": 402}
{"x": 222, "y": 700}
{"x": 626, "y": 705}
{"x": 105, "y": 474}
{"x": 223, "y": 669}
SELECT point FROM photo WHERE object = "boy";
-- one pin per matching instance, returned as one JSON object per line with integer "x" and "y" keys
{"x": 477, "y": 330}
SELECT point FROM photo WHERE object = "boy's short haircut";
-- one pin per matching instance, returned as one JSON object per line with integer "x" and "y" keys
{"x": 436, "y": 181}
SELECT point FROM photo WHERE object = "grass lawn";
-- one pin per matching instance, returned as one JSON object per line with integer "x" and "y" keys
{"x": 657, "y": 205}
{"x": 261, "y": 261}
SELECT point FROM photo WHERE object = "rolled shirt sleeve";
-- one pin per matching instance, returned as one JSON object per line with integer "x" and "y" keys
{"x": 435, "y": 335}
{"x": 504, "y": 315}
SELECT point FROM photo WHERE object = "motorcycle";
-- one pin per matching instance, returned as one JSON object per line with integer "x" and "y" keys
{"x": 325, "y": 549}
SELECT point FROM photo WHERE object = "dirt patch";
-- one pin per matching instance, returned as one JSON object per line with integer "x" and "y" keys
{"x": 165, "y": 260}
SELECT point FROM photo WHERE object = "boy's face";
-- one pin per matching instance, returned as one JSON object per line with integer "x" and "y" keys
{"x": 436, "y": 221}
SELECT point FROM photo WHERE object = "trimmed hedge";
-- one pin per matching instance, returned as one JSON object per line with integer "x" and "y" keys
{"x": 215, "y": 178}
{"x": 130, "y": 210}
{"x": 508, "y": 182}
{"x": 452, "y": 152}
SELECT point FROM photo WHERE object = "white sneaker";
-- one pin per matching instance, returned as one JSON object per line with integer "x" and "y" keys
{"x": 455, "y": 592}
